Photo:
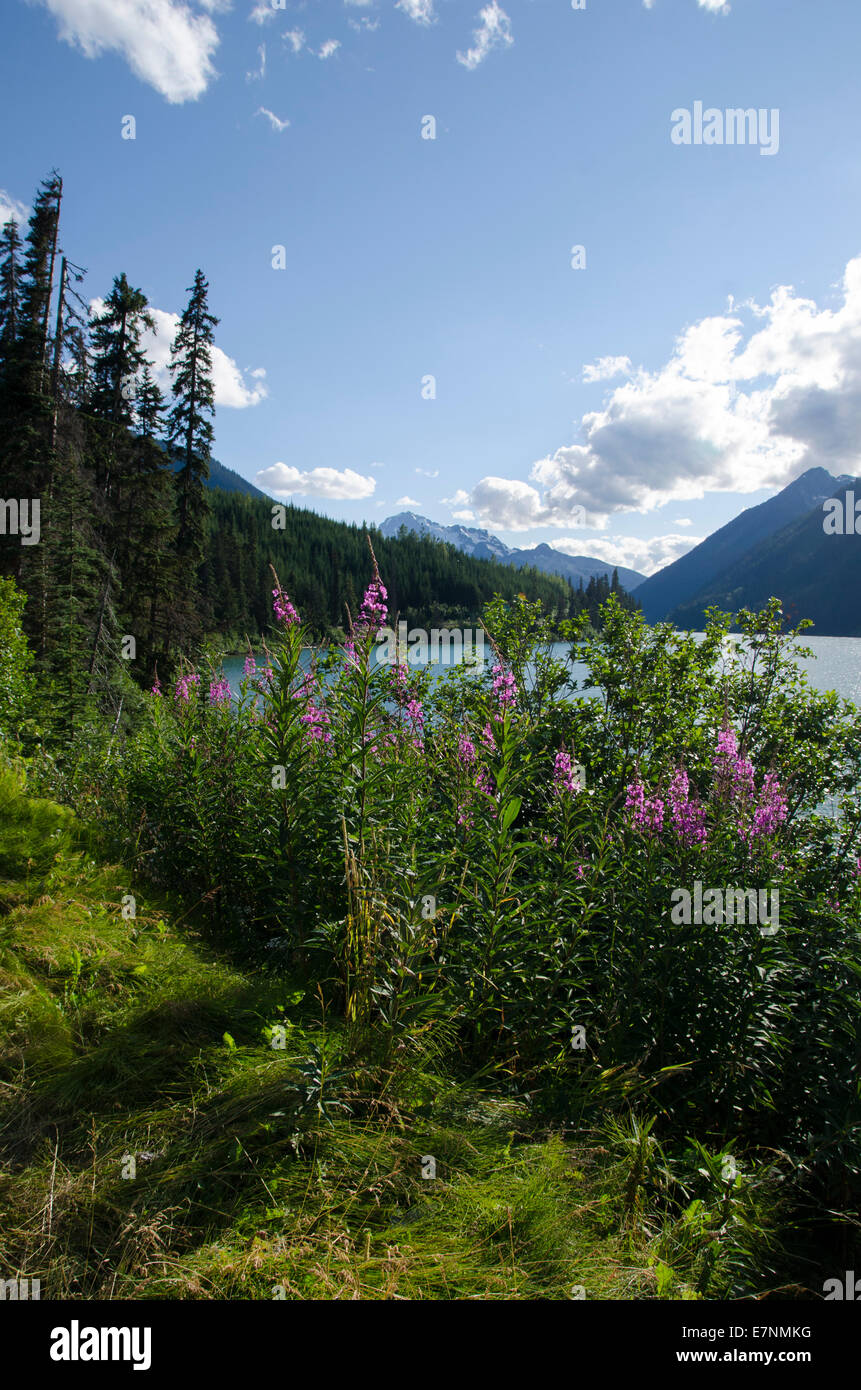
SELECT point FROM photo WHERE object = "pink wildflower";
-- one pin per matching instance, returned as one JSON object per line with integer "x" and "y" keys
{"x": 565, "y": 775}
{"x": 687, "y": 816}
{"x": 219, "y": 692}
{"x": 283, "y": 608}
{"x": 647, "y": 812}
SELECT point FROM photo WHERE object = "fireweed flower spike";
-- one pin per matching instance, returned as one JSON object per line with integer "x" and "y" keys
{"x": 373, "y": 612}
{"x": 466, "y": 751}
{"x": 184, "y": 685}
{"x": 564, "y": 774}
{"x": 283, "y": 608}
{"x": 733, "y": 773}
{"x": 770, "y": 811}
{"x": 372, "y": 615}
{"x": 647, "y": 813}
{"x": 687, "y": 816}
{"x": 219, "y": 692}
{"x": 316, "y": 721}
{"x": 504, "y": 688}
{"x": 724, "y": 760}
{"x": 484, "y": 783}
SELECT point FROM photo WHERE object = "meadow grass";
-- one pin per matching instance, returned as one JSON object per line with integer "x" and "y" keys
{"x": 265, "y": 1172}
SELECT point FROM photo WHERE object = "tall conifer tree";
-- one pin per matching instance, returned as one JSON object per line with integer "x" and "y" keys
{"x": 10, "y": 291}
{"x": 117, "y": 361}
{"x": 190, "y": 431}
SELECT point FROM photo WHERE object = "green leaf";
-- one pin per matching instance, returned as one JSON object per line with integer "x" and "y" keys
{"x": 509, "y": 813}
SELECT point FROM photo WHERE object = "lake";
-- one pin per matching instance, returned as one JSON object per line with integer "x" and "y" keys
{"x": 836, "y": 665}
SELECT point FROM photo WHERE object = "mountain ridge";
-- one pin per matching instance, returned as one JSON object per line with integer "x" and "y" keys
{"x": 678, "y": 584}
{"x": 814, "y": 574}
{"x": 482, "y": 545}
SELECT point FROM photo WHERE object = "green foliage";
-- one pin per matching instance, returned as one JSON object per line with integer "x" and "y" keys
{"x": 16, "y": 681}
{"x": 182, "y": 1155}
{"x": 410, "y": 851}
{"x": 323, "y": 565}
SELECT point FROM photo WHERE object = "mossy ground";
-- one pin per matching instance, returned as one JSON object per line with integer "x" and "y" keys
{"x": 263, "y": 1172}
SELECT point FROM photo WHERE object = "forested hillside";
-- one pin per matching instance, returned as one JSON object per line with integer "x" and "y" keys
{"x": 324, "y": 566}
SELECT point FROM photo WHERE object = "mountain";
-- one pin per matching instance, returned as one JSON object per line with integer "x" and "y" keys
{"x": 679, "y": 583}
{"x": 814, "y": 575}
{"x": 573, "y": 567}
{"x": 230, "y": 481}
{"x": 483, "y": 546}
{"x": 469, "y": 539}
{"x": 227, "y": 479}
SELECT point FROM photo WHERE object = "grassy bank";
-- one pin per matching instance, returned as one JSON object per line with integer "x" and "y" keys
{"x": 264, "y": 1171}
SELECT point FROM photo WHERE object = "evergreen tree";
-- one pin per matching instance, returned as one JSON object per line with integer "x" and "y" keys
{"x": 25, "y": 407}
{"x": 117, "y": 354}
{"x": 117, "y": 360}
{"x": 146, "y": 559}
{"x": 10, "y": 291}
{"x": 68, "y": 336}
{"x": 190, "y": 432}
{"x": 38, "y": 284}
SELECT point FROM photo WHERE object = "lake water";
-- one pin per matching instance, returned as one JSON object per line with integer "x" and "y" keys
{"x": 836, "y": 665}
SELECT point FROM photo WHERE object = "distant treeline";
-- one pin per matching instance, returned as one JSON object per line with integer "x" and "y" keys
{"x": 324, "y": 566}
{"x": 132, "y": 557}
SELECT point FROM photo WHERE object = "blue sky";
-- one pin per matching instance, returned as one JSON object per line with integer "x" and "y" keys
{"x": 708, "y": 351}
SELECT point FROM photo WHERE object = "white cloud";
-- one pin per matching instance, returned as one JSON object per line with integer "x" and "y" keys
{"x": 329, "y": 47}
{"x": 273, "y": 120}
{"x": 164, "y": 42}
{"x": 428, "y": 472}
{"x": 713, "y": 6}
{"x": 606, "y": 368}
{"x": 12, "y": 211}
{"x": 633, "y": 552}
{"x": 505, "y": 504}
{"x": 421, "y": 11}
{"x": 464, "y": 516}
{"x": 261, "y": 72}
{"x": 337, "y": 485}
{"x": 230, "y": 388}
{"x": 407, "y": 502}
{"x": 493, "y": 32}
{"x": 683, "y": 521}
{"x": 459, "y": 499}
{"x": 747, "y": 400}
{"x": 295, "y": 38}
{"x": 263, "y": 12}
